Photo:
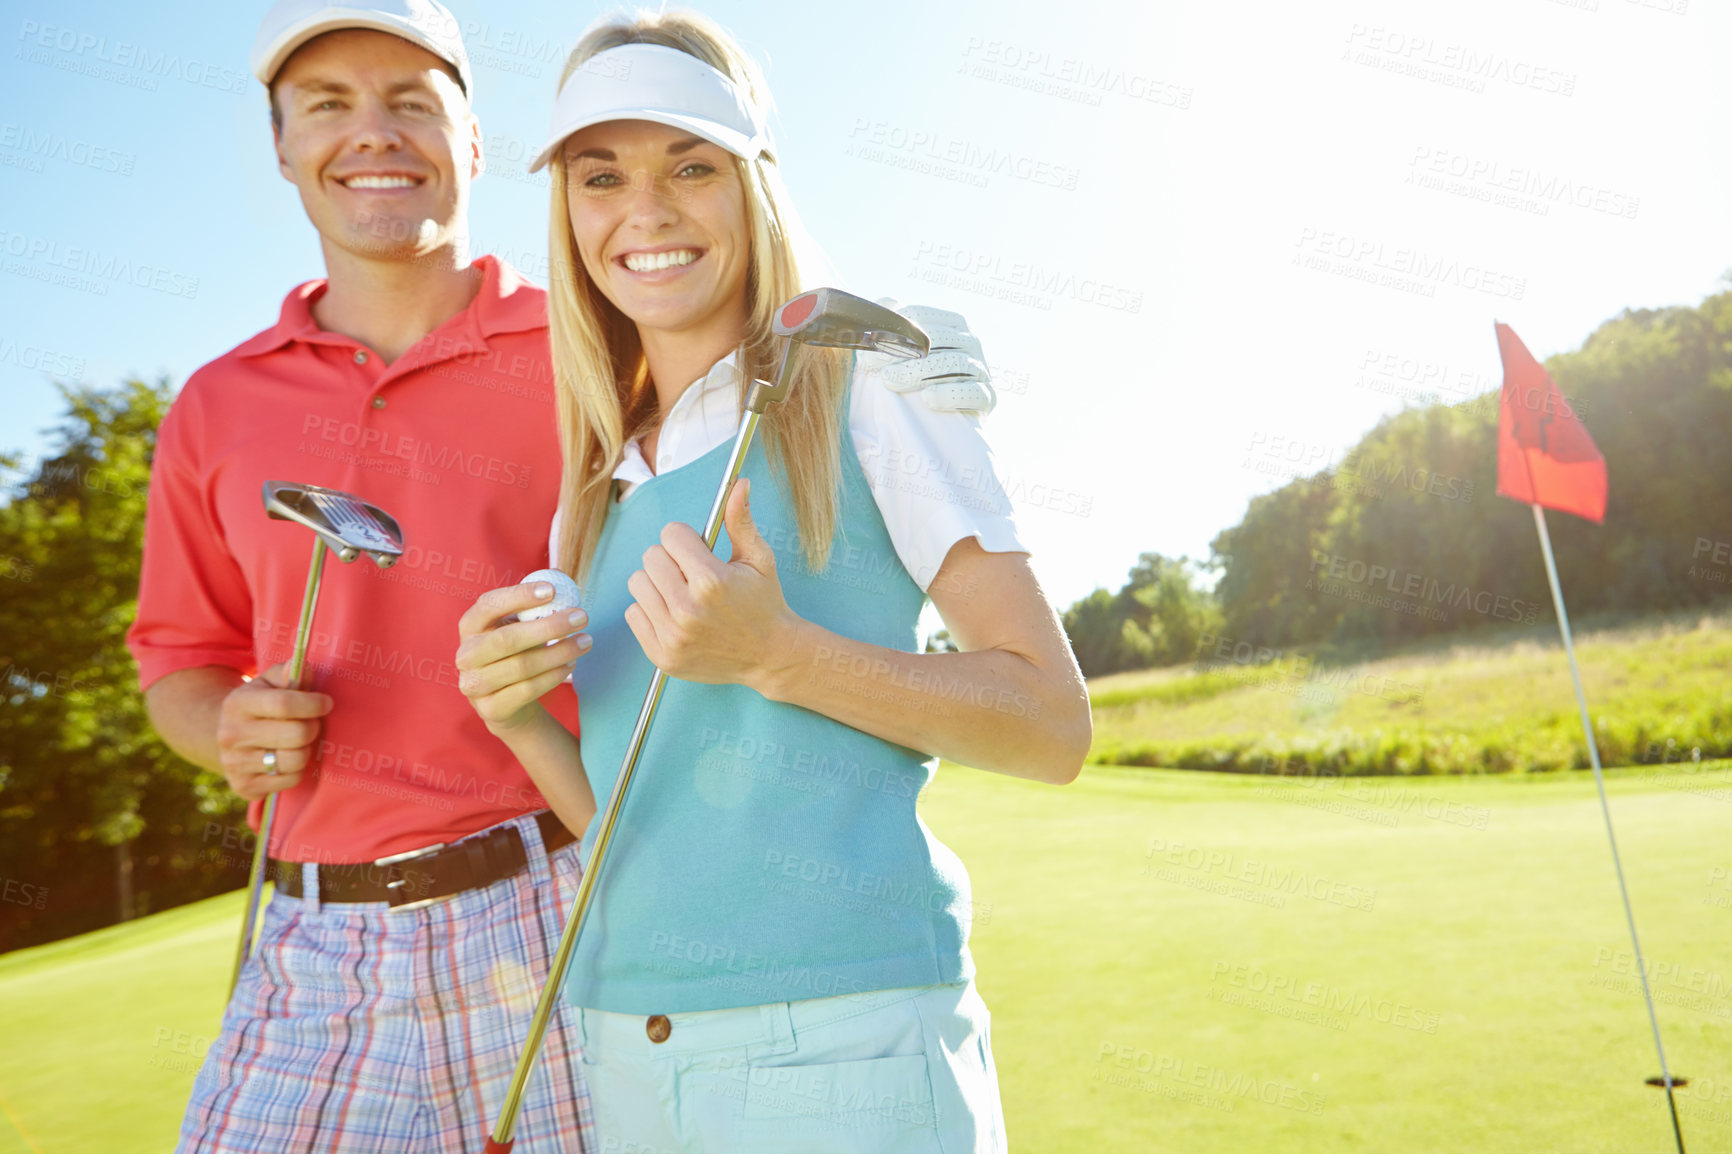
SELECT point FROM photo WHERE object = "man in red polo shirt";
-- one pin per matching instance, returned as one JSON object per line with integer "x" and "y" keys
{"x": 418, "y": 379}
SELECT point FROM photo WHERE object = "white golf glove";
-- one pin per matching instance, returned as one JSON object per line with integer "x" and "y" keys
{"x": 952, "y": 378}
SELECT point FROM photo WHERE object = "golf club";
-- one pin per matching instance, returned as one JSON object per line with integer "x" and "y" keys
{"x": 826, "y": 317}
{"x": 347, "y": 526}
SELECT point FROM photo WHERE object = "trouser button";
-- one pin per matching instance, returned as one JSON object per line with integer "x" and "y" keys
{"x": 658, "y": 1028}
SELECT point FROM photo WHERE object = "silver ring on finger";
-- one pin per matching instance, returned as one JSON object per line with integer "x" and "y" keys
{"x": 270, "y": 760}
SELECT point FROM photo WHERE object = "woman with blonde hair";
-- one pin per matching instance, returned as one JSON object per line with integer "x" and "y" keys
{"x": 777, "y": 959}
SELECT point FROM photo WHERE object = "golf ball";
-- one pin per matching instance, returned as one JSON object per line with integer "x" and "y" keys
{"x": 565, "y": 595}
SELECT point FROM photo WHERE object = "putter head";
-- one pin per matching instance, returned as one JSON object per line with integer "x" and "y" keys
{"x": 348, "y": 525}
{"x": 837, "y": 320}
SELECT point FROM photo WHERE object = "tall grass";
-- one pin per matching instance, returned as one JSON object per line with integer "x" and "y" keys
{"x": 1659, "y": 690}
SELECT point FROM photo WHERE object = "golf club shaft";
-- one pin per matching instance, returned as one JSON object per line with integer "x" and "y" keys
{"x": 309, "y": 602}
{"x": 261, "y": 847}
{"x": 502, "y": 1136}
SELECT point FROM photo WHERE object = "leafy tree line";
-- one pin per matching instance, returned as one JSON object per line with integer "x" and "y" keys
{"x": 99, "y": 821}
{"x": 1406, "y": 538}
{"x": 1158, "y": 617}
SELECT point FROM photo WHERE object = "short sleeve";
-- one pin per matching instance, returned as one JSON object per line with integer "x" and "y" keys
{"x": 194, "y": 606}
{"x": 932, "y": 476}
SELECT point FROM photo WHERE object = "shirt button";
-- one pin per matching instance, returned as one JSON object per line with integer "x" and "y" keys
{"x": 378, "y": 402}
{"x": 658, "y": 1028}
{"x": 360, "y": 356}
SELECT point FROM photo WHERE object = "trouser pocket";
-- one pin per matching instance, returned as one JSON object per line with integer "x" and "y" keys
{"x": 892, "y": 1092}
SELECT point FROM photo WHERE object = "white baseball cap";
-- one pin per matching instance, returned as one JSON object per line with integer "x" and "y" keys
{"x": 664, "y": 85}
{"x": 425, "y": 23}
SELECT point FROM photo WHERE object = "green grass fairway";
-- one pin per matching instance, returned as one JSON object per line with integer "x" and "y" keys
{"x": 1175, "y": 961}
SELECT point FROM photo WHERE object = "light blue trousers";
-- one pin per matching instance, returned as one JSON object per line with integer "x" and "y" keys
{"x": 905, "y": 1071}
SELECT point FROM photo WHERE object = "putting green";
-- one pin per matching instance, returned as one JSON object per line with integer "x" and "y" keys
{"x": 1174, "y": 961}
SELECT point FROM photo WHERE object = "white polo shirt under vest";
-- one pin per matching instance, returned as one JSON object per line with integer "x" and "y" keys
{"x": 931, "y": 474}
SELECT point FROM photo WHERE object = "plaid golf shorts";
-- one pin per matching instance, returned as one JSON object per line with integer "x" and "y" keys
{"x": 359, "y": 1029}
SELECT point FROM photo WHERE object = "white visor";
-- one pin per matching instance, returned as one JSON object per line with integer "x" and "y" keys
{"x": 664, "y": 85}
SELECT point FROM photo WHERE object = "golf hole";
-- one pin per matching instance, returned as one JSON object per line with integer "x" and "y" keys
{"x": 1659, "y": 1082}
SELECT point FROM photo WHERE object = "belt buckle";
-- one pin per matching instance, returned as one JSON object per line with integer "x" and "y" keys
{"x": 399, "y": 883}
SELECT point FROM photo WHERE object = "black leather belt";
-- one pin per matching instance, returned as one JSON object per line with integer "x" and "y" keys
{"x": 424, "y": 875}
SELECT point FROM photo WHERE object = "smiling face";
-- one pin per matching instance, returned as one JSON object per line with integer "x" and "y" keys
{"x": 379, "y": 139}
{"x": 660, "y": 221}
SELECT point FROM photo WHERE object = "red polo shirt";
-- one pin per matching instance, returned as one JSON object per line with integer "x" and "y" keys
{"x": 457, "y": 440}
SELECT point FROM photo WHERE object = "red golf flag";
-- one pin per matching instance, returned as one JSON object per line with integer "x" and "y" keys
{"x": 1544, "y": 455}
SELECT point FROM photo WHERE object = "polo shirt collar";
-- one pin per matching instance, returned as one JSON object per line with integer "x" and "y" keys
{"x": 724, "y": 374}
{"x": 506, "y": 303}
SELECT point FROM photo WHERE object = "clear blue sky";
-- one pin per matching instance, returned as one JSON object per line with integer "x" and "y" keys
{"x": 1160, "y": 217}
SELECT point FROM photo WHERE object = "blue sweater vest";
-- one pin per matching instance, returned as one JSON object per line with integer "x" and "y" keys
{"x": 766, "y": 853}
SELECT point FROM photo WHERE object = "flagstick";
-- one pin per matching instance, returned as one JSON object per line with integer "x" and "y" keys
{"x": 1600, "y": 781}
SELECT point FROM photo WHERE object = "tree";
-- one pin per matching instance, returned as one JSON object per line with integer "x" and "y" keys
{"x": 98, "y": 819}
{"x": 1156, "y": 618}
